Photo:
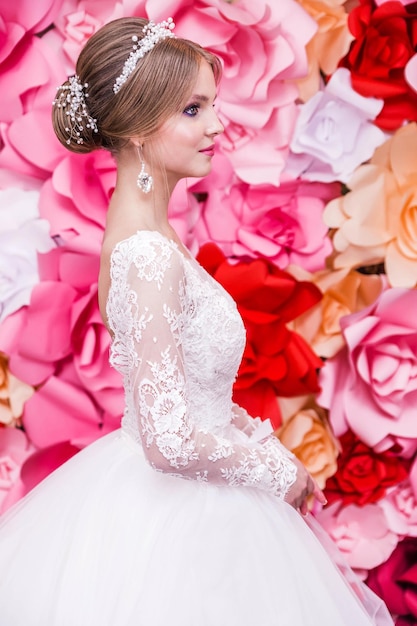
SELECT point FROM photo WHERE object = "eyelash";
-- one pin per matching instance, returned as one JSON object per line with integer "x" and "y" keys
{"x": 196, "y": 107}
{"x": 192, "y": 106}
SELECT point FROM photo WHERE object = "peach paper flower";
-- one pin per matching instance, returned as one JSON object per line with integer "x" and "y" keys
{"x": 13, "y": 395}
{"x": 329, "y": 44}
{"x": 375, "y": 221}
{"x": 344, "y": 292}
{"x": 371, "y": 384}
{"x": 307, "y": 434}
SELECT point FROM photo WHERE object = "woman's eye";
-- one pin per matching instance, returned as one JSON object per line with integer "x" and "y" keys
{"x": 192, "y": 110}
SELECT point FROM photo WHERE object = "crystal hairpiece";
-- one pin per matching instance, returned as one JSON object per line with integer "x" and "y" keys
{"x": 152, "y": 34}
{"x": 72, "y": 98}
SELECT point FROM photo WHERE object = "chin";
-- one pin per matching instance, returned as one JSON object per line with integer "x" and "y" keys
{"x": 203, "y": 171}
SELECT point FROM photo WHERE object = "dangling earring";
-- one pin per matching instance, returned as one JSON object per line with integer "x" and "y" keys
{"x": 144, "y": 180}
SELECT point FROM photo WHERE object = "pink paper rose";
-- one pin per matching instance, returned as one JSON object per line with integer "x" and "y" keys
{"x": 14, "y": 449}
{"x": 283, "y": 225}
{"x": 361, "y": 534}
{"x": 334, "y": 133}
{"x": 90, "y": 343}
{"x": 59, "y": 342}
{"x": 410, "y": 72}
{"x": 32, "y": 17}
{"x": 371, "y": 384}
{"x": 400, "y": 508}
{"x": 35, "y": 466}
{"x": 30, "y": 64}
{"x": 63, "y": 411}
{"x": 395, "y": 581}
{"x": 29, "y": 86}
{"x": 75, "y": 199}
{"x": 400, "y": 505}
{"x": 19, "y": 21}
{"x": 27, "y": 69}
{"x": 78, "y": 20}
{"x": 31, "y": 161}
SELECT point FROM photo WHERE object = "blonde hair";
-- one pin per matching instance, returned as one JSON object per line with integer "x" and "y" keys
{"x": 157, "y": 89}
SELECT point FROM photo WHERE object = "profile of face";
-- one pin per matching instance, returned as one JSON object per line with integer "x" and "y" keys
{"x": 185, "y": 144}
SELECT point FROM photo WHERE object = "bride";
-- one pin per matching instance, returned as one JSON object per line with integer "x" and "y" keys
{"x": 190, "y": 514}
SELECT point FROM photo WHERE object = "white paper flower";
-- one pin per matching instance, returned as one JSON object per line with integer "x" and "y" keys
{"x": 22, "y": 235}
{"x": 334, "y": 132}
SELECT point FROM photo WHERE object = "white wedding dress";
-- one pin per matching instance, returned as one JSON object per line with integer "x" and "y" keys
{"x": 178, "y": 517}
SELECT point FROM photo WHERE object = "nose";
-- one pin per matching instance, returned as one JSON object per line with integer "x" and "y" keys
{"x": 215, "y": 127}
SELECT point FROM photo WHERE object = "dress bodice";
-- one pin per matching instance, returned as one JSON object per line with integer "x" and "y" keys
{"x": 178, "y": 341}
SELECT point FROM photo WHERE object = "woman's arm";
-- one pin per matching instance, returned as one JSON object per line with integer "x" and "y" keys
{"x": 158, "y": 381}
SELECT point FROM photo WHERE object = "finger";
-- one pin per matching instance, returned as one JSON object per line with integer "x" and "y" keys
{"x": 319, "y": 495}
{"x": 304, "y": 508}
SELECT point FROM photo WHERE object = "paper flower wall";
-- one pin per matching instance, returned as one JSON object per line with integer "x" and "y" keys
{"x": 311, "y": 200}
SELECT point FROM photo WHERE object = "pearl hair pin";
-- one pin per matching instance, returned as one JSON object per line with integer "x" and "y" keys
{"x": 152, "y": 34}
{"x": 72, "y": 99}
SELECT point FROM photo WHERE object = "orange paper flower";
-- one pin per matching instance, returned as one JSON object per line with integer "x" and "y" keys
{"x": 377, "y": 220}
{"x": 308, "y": 435}
{"x": 329, "y": 44}
{"x": 344, "y": 292}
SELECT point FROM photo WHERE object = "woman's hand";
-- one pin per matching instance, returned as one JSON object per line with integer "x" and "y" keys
{"x": 304, "y": 486}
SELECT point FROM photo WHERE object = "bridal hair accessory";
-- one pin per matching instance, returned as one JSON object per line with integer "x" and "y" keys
{"x": 144, "y": 180}
{"x": 152, "y": 34}
{"x": 72, "y": 98}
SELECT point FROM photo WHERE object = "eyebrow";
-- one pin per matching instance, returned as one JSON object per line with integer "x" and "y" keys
{"x": 201, "y": 98}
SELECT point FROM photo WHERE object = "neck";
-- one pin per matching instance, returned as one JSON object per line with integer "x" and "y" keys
{"x": 130, "y": 208}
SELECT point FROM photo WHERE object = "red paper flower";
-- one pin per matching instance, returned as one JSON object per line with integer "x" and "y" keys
{"x": 385, "y": 40}
{"x": 363, "y": 475}
{"x": 395, "y": 581}
{"x": 276, "y": 360}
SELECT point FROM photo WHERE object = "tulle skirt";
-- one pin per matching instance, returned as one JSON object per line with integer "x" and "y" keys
{"x": 107, "y": 541}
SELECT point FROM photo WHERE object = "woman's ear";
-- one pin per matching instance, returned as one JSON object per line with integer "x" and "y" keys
{"x": 137, "y": 142}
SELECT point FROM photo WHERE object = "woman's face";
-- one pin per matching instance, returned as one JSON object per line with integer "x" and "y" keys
{"x": 185, "y": 145}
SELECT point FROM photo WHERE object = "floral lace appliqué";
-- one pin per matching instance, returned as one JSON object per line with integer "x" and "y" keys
{"x": 178, "y": 342}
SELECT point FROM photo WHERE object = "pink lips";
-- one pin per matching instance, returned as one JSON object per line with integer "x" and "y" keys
{"x": 209, "y": 151}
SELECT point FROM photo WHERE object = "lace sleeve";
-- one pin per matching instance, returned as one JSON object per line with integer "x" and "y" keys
{"x": 243, "y": 421}
{"x": 157, "y": 378}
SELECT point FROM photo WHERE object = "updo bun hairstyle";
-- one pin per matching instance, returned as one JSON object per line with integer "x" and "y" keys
{"x": 156, "y": 89}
